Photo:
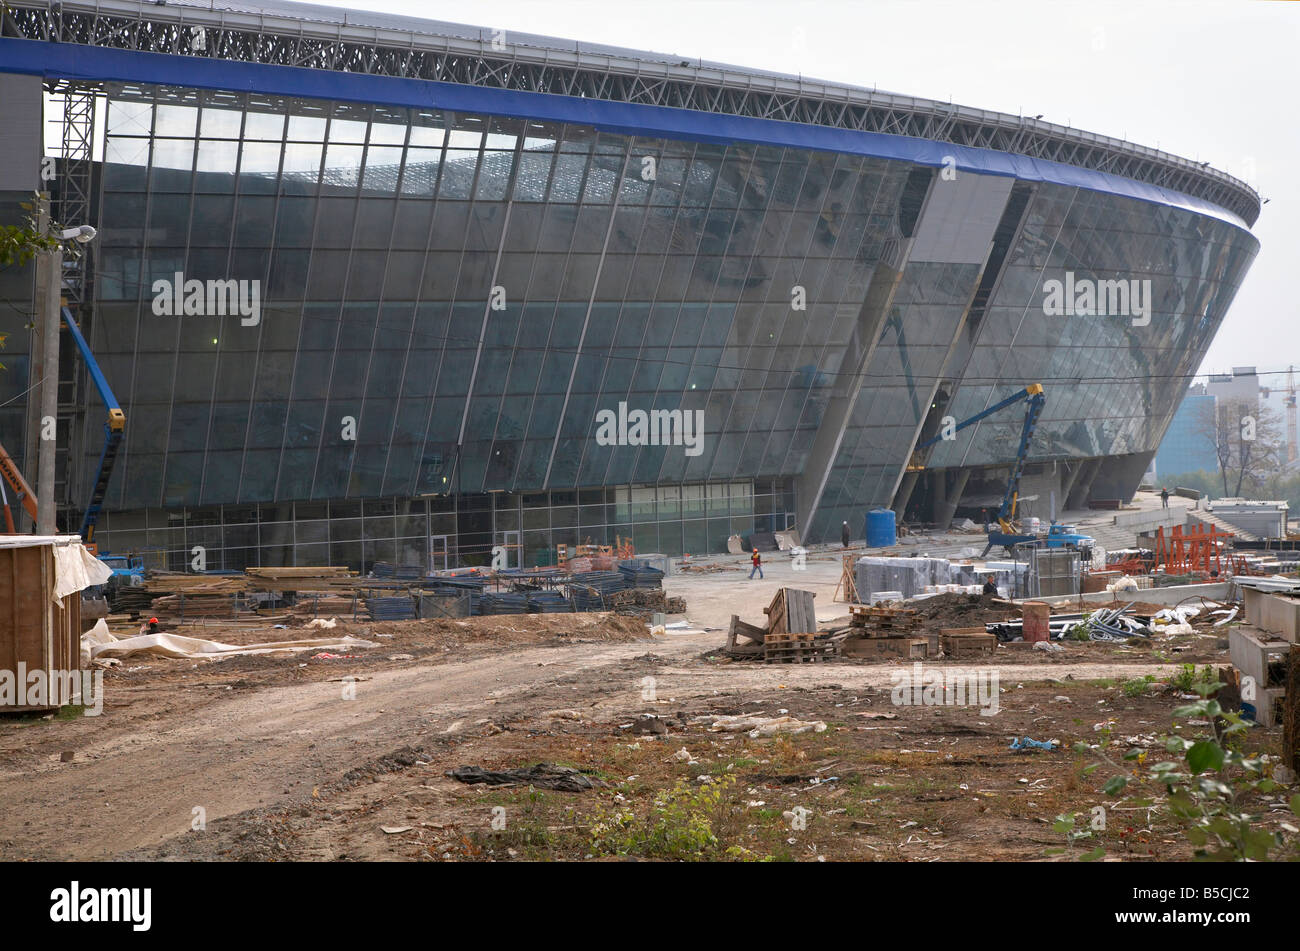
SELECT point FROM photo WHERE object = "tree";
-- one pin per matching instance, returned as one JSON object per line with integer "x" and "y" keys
{"x": 20, "y": 243}
{"x": 1247, "y": 441}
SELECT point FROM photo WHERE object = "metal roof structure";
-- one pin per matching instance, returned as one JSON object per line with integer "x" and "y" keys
{"x": 367, "y": 43}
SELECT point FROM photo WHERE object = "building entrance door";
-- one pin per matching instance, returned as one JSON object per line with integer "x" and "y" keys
{"x": 438, "y": 553}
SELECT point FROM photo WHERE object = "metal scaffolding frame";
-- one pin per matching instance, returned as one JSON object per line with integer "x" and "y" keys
{"x": 378, "y": 44}
{"x": 76, "y": 168}
{"x": 73, "y": 206}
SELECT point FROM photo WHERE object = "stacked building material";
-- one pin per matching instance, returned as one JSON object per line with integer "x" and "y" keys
{"x": 910, "y": 576}
{"x": 548, "y": 602}
{"x": 443, "y": 605}
{"x": 886, "y": 632}
{"x": 391, "y": 609}
{"x": 324, "y": 578}
{"x": 323, "y": 604}
{"x": 638, "y": 602}
{"x": 504, "y": 603}
{"x": 162, "y": 583}
{"x": 590, "y": 589}
{"x": 639, "y": 574}
{"x": 182, "y": 606}
{"x": 384, "y": 569}
{"x": 132, "y": 601}
{"x": 448, "y": 585}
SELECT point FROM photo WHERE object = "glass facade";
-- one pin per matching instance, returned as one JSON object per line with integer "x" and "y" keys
{"x": 448, "y": 301}
{"x": 1113, "y": 382}
{"x": 442, "y": 531}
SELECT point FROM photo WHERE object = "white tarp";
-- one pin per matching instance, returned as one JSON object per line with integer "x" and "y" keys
{"x": 75, "y": 568}
{"x": 99, "y": 642}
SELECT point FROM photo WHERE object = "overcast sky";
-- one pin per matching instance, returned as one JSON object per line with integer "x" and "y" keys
{"x": 1211, "y": 81}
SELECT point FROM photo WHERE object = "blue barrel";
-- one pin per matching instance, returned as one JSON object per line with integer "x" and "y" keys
{"x": 881, "y": 532}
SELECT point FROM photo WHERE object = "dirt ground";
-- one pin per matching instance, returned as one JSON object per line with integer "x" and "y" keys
{"x": 345, "y": 758}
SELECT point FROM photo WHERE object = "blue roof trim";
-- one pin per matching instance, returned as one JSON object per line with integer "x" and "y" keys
{"x": 75, "y": 61}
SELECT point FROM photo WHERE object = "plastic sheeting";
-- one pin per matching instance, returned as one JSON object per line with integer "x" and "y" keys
{"x": 76, "y": 569}
{"x": 99, "y": 643}
{"x": 908, "y": 575}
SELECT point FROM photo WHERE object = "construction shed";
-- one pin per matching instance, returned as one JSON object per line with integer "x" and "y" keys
{"x": 41, "y": 580}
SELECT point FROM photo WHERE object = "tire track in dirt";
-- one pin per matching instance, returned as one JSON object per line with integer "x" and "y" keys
{"x": 138, "y": 776}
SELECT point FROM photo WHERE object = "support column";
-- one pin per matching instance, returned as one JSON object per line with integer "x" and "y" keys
{"x": 904, "y": 494}
{"x": 950, "y": 486}
{"x": 1083, "y": 485}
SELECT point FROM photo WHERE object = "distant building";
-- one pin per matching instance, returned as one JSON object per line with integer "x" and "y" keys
{"x": 1187, "y": 447}
{"x": 1267, "y": 519}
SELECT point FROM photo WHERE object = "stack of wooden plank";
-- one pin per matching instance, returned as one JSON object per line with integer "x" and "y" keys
{"x": 335, "y": 578}
{"x": 176, "y": 595}
{"x": 166, "y": 582}
{"x": 886, "y": 632}
{"x": 184, "y": 606}
{"x": 324, "y": 604}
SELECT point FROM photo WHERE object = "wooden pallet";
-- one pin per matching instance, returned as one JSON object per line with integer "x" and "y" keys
{"x": 788, "y": 639}
{"x": 799, "y": 653}
{"x": 866, "y": 611}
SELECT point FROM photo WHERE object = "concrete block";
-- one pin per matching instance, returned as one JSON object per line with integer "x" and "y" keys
{"x": 1252, "y": 651}
{"x": 1274, "y": 613}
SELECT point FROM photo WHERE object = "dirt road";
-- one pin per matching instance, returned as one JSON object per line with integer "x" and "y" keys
{"x": 215, "y": 744}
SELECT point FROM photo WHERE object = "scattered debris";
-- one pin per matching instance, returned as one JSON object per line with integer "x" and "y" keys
{"x": 542, "y": 776}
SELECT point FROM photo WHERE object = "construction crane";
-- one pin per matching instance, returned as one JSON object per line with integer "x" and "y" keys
{"x": 114, "y": 428}
{"x": 1008, "y": 533}
{"x": 23, "y": 492}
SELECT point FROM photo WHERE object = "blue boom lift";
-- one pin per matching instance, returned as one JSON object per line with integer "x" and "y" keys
{"x": 114, "y": 427}
{"x": 1007, "y": 533}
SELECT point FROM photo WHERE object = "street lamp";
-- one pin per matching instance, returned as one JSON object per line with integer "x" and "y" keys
{"x": 49, "y": 270}
{"x": 83, "y": 234}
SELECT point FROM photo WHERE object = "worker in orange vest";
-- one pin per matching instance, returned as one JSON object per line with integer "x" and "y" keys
{"x": 757, "y": 562}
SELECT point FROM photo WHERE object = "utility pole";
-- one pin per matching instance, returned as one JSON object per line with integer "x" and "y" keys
{"x": 36, "y": 360}
{"x": 49, "y": 274}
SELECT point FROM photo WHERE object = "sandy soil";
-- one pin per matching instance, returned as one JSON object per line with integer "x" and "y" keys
{"x": 258, "y": 743}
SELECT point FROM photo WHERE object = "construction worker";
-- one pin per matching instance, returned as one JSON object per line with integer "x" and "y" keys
{"x": 1164, "y": 497}
{"x": 844, "y": 535}
{"x": 990, "y": 587}
{"x": 149, "y": 627}
{"x": 757, "y": 561}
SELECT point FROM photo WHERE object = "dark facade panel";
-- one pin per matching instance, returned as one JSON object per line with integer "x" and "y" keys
{"x": 431, "y": 306}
